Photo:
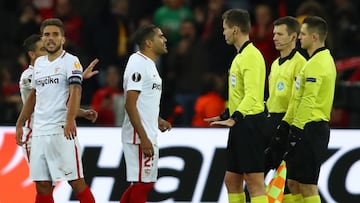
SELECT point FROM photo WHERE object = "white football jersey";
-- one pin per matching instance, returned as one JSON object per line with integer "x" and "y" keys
{"x": 51, "y": 80}
{"x": 25, "y": 88}
{"x": 142, "y": 75}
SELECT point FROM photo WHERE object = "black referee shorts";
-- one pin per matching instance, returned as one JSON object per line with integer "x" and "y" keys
{"x": 304, "y": 163}
{"x": 272, "y": 123}
{"x": 245, "y": 148}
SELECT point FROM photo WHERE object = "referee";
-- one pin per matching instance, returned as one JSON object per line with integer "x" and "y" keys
{"x": 281, "y": 80}
{"x": 309, "y": 112}
{"x": 245, "y": 150}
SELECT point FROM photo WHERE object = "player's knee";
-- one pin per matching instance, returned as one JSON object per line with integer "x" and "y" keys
{"x": 43, "y": 187}
{"x": 78, "y": 185}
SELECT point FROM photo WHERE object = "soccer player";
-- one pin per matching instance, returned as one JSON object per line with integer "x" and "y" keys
{"x": 309, "y": 112}
{"x": 55, "y": 101}
{"x": 142, "y": 88}
{"x": 245, "y": 114}
{"x": 281, "y": 81}
{"x": 34, "y": 48}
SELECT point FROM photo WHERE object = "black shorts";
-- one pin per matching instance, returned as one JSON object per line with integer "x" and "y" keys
{"x": 245, "y": 148}
{"x": 304, "y": 163}
{"x": 272, "y": 123}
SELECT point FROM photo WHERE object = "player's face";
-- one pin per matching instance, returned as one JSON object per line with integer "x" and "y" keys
{"x": 305, "y": 37}
{"x": 159, "y": 42}
{"x": 53, "y": 39}
{"x": 281, "y": 38}
{"x": 228, "y": 33}
{"x": 40, "y": 49}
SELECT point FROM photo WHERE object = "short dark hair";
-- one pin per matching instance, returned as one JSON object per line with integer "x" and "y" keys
{"x": 292, "y": 24}
{"x": 30, "y": 42}
{"x": 144, "y": 33}
{"x": 52, "y": 21}
{"x": 238, "y": 17}
{"x": 318, "y": 25}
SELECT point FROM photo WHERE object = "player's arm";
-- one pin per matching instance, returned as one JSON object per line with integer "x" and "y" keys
{"x": 73, "y": 107}
{"x": 25, "y": 114}
{"x": 89, "y": 71}
{"x": 132, "y": 111}
{"x": 89, "y": 114}
{"x": 163, "y": 125}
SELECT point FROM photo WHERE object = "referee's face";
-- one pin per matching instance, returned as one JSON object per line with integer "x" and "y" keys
{"x": 305, "y": 37}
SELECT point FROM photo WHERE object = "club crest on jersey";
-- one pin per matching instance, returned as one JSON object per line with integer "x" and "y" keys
{"x": 136, "y": 77}
{"x": 77, "y": 65}
{"x": 280, "y": 85}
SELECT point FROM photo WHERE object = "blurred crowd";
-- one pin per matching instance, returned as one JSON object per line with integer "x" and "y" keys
{"x": 194, "y": 71}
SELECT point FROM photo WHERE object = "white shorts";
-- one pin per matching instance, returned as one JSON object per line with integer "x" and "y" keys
{"x": 54, "y": 158}
{"x": 138, "y": 167}
{"x": 27, "y": 146}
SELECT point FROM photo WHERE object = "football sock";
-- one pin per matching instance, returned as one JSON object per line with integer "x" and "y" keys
{"x": 125, "y": 197}
{"x": 139, "y": 192}
{"x": 298, "y": 198}
{"x": 259, "y": 199}
{"x": 288, "y": 198}
{"x": 44, "y": 198}
{"x": 86, "y": 196}
{"x": 312, "y": 199}
{"x": 237, "y": 197}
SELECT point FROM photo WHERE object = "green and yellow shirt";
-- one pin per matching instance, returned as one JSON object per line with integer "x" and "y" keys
{"x": 314, "y": 90}
{"x": 282, "y": 80}
{"x": 247, "y": 81}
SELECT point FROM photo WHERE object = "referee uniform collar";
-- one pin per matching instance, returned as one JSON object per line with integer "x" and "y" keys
{"x": 288, "y": 57}
{"x": 317, "y": 51}
{"x": 243, "y": 46}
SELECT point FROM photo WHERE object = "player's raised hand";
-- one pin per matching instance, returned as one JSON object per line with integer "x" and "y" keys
{"x": 89, "y": 71}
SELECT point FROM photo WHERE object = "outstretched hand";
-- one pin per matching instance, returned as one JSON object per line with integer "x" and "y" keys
{"x": 228, "y": 122}
{"x": 91, "y": 115}
{"x": 89, "y": 71}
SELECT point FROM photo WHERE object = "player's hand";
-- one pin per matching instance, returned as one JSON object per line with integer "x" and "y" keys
{"x": 91, "y": 115}
{"x": 147, "y": 147}
{"x": 70, "y": 129}
{"x": 89, "y": 71}
{"x": 19, "y": 136}
{"x": 164, "y": 125}
{"x": 229, "y": 122}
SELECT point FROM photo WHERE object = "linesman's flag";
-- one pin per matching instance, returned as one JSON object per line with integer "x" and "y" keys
{"x": 275, "y": 189}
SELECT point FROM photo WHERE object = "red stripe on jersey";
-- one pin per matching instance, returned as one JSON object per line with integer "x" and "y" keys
{"x": 140, "y": 163}
{"x": 134, "y": 137}
{"x": 77, "y": 161}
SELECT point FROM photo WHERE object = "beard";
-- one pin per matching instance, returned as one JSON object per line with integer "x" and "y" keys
{"x": 56, "y": 49}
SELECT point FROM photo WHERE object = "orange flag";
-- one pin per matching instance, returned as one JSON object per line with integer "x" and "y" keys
{"x": 275, "y": 189}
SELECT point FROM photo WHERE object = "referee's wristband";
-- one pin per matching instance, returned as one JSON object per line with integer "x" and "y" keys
{"x": 237, "y": 116}
{"x": 225, "y": 115}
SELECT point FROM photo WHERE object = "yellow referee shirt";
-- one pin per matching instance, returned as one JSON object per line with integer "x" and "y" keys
{"x": 247, "y": 81}
{"x": 314, "y": 90}
{"x": 281, "y": 81}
